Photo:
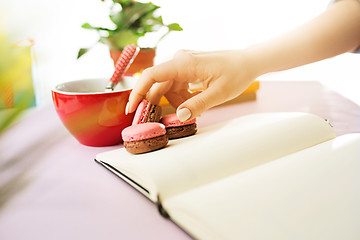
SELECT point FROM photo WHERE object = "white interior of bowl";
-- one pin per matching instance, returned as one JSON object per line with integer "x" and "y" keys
{"x": 93, "y": 86}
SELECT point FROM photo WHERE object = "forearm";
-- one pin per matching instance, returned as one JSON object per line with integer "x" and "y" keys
{"x": 334, "y": 32}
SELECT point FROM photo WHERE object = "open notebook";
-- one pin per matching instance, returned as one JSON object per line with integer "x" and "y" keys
{"x": 262, "y": 176}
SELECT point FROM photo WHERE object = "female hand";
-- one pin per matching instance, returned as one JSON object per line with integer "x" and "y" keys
{"x": 224, "y": 75}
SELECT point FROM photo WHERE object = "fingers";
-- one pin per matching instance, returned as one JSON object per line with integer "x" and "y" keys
{"x": 160, "y": 73}
{"x": 180, "y": 69}
{"x": 178, "y": 97}
{"x": 157, "y": 91}
{"x": 199, "y": 103}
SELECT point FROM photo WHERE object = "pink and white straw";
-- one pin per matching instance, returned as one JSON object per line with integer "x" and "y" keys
{"x": 123, "y": 63}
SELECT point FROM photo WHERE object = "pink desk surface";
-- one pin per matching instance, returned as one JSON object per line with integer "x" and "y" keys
{"x": 64, "y": 194}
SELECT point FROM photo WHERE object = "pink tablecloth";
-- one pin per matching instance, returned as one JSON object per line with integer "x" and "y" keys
{"x": 61, "y": 193}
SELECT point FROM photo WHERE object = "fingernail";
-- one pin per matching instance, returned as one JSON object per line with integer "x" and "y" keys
{"x": 183, "y": 114}
{"x": 127, "y": 108}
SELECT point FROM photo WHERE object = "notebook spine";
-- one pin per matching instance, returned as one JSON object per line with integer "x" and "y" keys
{"x": 161, "y": 209}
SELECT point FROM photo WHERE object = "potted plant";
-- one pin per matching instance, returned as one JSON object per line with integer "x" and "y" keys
{"x": 131, "y": 20}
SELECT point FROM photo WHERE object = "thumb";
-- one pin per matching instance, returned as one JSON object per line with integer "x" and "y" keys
{"x": 198, "y": 104}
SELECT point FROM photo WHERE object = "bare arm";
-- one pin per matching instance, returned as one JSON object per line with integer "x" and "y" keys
{"x": 334, "y": 32}
{"x": 226, "y": 74}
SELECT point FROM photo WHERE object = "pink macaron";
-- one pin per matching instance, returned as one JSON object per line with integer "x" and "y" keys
{"x": 145, "y": 137}
{"x": 146, "y": 112}
{"x": 177, "y": 129}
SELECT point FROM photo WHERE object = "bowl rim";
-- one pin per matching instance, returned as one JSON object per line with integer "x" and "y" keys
{"x": 55, "y": 90}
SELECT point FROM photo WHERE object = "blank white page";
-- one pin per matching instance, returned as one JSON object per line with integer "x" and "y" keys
{"x": 312, "y": 194}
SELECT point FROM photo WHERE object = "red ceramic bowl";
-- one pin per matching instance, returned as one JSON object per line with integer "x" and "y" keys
{"x": 94, "y": 117}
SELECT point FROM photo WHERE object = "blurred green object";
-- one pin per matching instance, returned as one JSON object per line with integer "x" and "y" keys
{"x": 16, "y": 95}
{"x": 132, "y": 20}
{"x": 16, "y": 85}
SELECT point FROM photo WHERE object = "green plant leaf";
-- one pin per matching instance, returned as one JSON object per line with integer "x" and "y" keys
{"x": 174, "y": 27}
{"x": 171, "y": 27}
{"x": 137, "y": 11}
{"x": 116, "y": 18}
{"x": 81, "y": 52}
{"x": 149, "y": 23}
{"x": 123, "y": 3}
{"x": 149, "y": 19}
{"x": 88, "y": 26}
{"x": 116, "y": 15}
{"x": 123, "y": 38}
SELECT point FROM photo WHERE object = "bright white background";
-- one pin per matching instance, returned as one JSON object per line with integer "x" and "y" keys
{"x": 208, "y": 25}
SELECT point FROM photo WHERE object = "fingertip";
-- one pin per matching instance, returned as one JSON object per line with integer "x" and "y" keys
{"x": 127, "y": 108}
{"x": 140, "y": 90}
{"x": 198, "y": 104}
{"x": 134, "y": 101}
{"x": 132, "y": 104}
{"x": 132, "y": 107}
{"x": 183, "y": 114}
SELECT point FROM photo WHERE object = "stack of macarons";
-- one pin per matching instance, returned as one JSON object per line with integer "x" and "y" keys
{"x": 177, "y": 129}
{"x": 148, "y": 132}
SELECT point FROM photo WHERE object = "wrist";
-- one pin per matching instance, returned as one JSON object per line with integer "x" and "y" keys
{"x": 243, "y": 63}
{"x": 256, "y": 61}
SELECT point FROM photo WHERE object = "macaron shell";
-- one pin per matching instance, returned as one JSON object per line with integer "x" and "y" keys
{"x": 181, "y": 131}
{"x": 147, "y": 145}
{"x": 143, "y": 131}
{"x": 172, "y": 120}
{"x": 141, "y": 112}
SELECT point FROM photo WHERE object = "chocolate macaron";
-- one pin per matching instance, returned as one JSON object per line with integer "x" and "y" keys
{"x": 145, "y": 137}
{"x": 177, "y": 129}
{"x": 146, "y": 112}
